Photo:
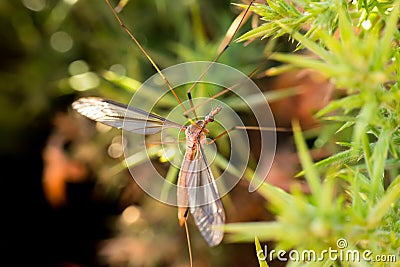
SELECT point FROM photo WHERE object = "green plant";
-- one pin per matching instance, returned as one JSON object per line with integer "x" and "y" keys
{"x": 354, "y": 192}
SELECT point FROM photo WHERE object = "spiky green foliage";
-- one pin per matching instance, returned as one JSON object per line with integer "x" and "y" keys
{"x": 354, "y": 192}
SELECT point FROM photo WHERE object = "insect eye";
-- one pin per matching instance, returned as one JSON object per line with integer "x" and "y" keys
{"x": 209, "y": 118}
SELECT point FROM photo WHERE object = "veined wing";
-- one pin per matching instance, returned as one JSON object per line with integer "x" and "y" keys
{"x": 203, "y": 199}
{"x": 118, "y": 115}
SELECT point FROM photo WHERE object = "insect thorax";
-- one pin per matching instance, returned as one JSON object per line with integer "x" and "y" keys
{"x": 195, "y": 133}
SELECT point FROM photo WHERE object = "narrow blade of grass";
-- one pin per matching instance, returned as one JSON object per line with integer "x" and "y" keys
{"x": 310, "y": 172}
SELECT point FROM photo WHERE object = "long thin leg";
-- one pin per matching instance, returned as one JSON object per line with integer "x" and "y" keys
{"x": 149, "y": 144}
{"x": 226, "y": 43}
{"x": 188, "y": 243}
{"x": 256, "y": 128}
{"x": 193, "y": 108}
{"x": 146, "y": 54}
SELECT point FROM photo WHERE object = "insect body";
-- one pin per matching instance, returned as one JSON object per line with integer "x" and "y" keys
{"x": 197, "y": 190}
{"x": 196, "y": 184}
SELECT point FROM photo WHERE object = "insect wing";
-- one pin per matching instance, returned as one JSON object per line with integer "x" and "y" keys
{"x": 203, "y": 199}
{"x": 119, "y": 116}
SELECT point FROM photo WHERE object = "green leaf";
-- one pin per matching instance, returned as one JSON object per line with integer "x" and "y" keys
{"x": 265, "y": 30}
{"x": 379, "y": 156}
{"x": 276, "y": 196}
{"x": 346, "y": 125}
{"x": 337, "y": 160}
{"x": 381, "y": 208}
{"x": 245, "y": 232}
{"x": 386, "y": 41}
{"x": 367, "y": 112}
{"x": 347, "y": 103}
{"x": 303, "y": 62}
{"x": 310, "y": 172}
{"x": 348, "y": 38}
{"x": 309, "y": 44}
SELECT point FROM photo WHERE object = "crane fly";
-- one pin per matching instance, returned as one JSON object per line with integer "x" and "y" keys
{"x": 205, "y": 205}
{"x": 194, "y": 171}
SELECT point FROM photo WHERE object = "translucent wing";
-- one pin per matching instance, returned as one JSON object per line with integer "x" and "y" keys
{"x": 119, "y": 115}
{"x": 203, "y": 199}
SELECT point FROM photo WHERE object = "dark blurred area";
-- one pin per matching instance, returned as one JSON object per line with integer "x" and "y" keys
{"x": 59, "y": 206}
{"x": 35, "y": 230}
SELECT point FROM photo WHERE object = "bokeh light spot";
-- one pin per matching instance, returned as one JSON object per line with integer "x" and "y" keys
{"x": 61, "y": 41}
{"x": 118, "y": 69}
{"x": 115, "y": 150}
{"x": 102, "y": 128}
{"x": 78, "y": 67}
{"x": 84, "y": 81}
{"x": 34, "y": 5}
{"x": 70, "y": 2}
{"x": 130, "y": 215}
{"x": 366, "y": 24}
{"x": 167, "y": 155}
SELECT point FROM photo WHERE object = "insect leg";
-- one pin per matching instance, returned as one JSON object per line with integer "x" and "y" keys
{"x": 225, "y": 44}
{"x": 146, "y": 54}
{"x": 256, "y": 128}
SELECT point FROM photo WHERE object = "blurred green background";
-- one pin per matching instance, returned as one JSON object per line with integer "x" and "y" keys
{"x": 62, "y": 203}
